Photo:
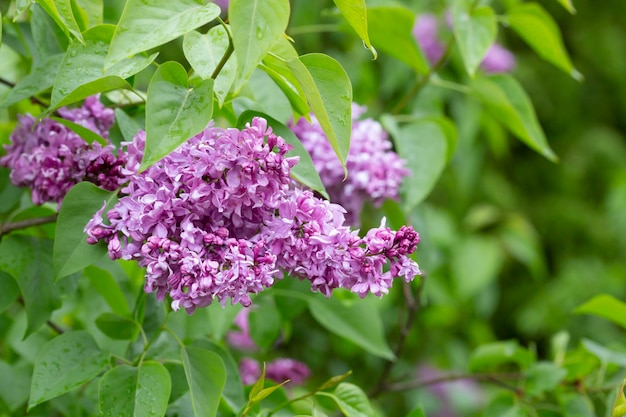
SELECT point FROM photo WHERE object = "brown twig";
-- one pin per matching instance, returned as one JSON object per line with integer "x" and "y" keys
{"x": 32, "y": 98}
{"x": 495, "y": 378}
{"x": 23, "y": 224}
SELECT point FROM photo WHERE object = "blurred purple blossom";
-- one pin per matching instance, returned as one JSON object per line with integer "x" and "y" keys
{"x": 426, "y": 33}
{"x": 241, "y": 339}
{"x": 279, "y": 370}
{"x": 498, "y": 59}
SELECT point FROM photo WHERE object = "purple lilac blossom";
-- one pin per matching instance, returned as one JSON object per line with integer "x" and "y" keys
{"x": 446, "y": 391}
{"x": 242, "y": 339}
{"x": 425, "y": 32}
{"x": 279, "y": 370}
{"x": 219, "y": 218}
{"x": 498, "y": 59}
{"x": 375, "y": 171}
{"x": 50, "y": 158}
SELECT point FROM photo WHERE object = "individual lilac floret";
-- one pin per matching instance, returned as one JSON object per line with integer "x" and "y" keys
{"x": 220, "y": 219}
{"x": 50, "y": 158}
{"x": 375, "y": 171}
{"x": 426, "y": 33}
{"x": 279, "y": 370}
{"x": 498, "y": 59}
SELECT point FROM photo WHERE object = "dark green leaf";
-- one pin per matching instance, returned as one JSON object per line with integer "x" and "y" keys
{"x": 489, "y": 356}
{"x": 15, "y": 384}
{"x": 128, "y": 127}
{"x": 61, "y": 12}
{"x": 28, "y": 260}
{"x": 64, "y": 363}
{"x": 304, "y": 172}
{"x": 541, "y": 33}
{"x": 117, "y": 327}
{"x": 264, "y": 322}
{"x": 206, "y": 377}
{"x": 41, "y": 78}
{"x": 108, "y": 288}
{"x": 256, "y": 25}
{"x": 475, "y": 31}
{"x": 508, "y": 103}
{"x": 48, "y": 37}
{"x": 605, "y": 306}
{"x": 174, "y": 113}
{"x": 88, "y": 135}
{"x": 9, "y": 291}
{"x": 126, "y": 391}
{"x": 390, "y": 29}
{"x": 355, "y": 13}
{"x": 71, "y": 250}
{"x": 146, "y": 24}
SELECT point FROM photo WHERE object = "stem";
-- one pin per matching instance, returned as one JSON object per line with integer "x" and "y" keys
{"x": 227, "y": 54}
{"x": 496, "y": 378}
{"x": 54, "y": 327}
{"x": 24, "y": 224}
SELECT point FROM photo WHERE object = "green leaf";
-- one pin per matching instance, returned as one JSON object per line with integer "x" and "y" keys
{"x": 506, "y": 100}
{"x": 206, "y": 376}
{"x": 568, "y": 5}
{"x": 424, "y": 146}
{"x": 87, "y": 134}
{"x": 41, "y": 78}
{"x": 605, "y": 306}
{"x": 475, "y": 31}
{"x": 82, "y": 72}
{"x": 543, "y": 376}
{"x": 355, "y": 13}
{"x": 605, "y": 354}
{"x": 489, "y": 356}
{"x": 9, "y": 290}
{"x": 28, "y": 260}
{"x": 146, "y": 24}
{"x": 64, "y": 363}
{"x": 108, "y": 288}
{"x": 476, "y": 262}
{"x": 128, "y": 126}
{"x": 328, "y": 89}
{"x": 355, "y": 321}
{"x": 71, "y": 250}
{"x": 21, "y": 6}
{"x": 204, "y": 53}
{"x": 61, "y": 12}
{"x": 417, "y": 412}
{"x": 256, "y": 25}
{"x": 288, "y": 85}
{"x": 391, "y": 30}
{"x": 541, "y": 33}
{"x": 128, "y": 391}
{"x": 15, "y": 384}
{"x": 93, "y": 10}
{"x": 47, "y": 36}
{"x": 304, "y": 172}
{"x": 118, "y": 327}
{"x": 264, "y": 322}
{"x": 335, "y": 380}
{"x": 352, "y": 401}
{"x": 174, "y": 113}
{"x": 264, "y": 393}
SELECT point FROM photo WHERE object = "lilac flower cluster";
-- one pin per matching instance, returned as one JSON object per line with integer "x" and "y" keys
{"x": 50, "y": 158}
{"x": 375, "y": 171}
{"x": 278, "y": 370}
{"x": 498, "y": 59}
{"x": 219, "y": 218}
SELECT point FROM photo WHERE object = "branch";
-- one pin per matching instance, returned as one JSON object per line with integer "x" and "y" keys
{"x": 495, "y": 378}
{"x": 24, "y": 224}
{"x": 32, "y": 98}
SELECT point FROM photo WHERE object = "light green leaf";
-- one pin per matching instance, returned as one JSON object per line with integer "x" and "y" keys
{"x": 605, "y": 354}
{"x": 204, "y": 53}
{"x": 605, "y": 306}
{"x": 424, "y": 146}
{"x": 128, "y": 391}
{"x": 174, "y": 113}
{"x": 28, "y": 261}
{"x": 21, "y": 6}
{"x": 128, "y": 126}
{"x": 61, "y": 12}
{"x": 294, "y": 93}
{"x": 71, "y": 250}
{"x": 41, "y": 78}
{"x": 86, "y": 134}
{"x": 93, "y": 11}
{"x": 15, "y": 384}
{"x": 328, "y": 89}
{"x": 118, "y": 327}
{"x": 304, "y": 172}
{"x": 540, "y": 32}
{"x": 64, "y": 363}
{"x": 391, "y": 30}
{"x": 417, "y": 412}
{"x": 568, "y": 5}
{"x": 256, "y": 25}
{"x": 355, "y": 321}
{"x": 333, "y": 381}
{"x": 543, "y": 376}
{"x": 206, "y": 377}
{"x": 82, "y": 72}
{"x": 506, "y": 101}
{"x": 475, "y": 31}
{"x": 108, "y": 288}
{"x": 48, "y": 37}
{"x": 489, "y": 356}
{"x": 9, "y": 291}
{"x": 352, "y": 401}
{"x": 476, "y": 262}
{"x": 146, "y": 24}
{"x": 355, "y": 13}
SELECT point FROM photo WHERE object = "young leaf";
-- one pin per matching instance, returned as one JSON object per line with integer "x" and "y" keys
{"x": 206, "y": 376}
{"x": 417, "y": 412}
{"x": 88, "y": 135}
{"x": 304, "y": 172}
{"x": 332, "y": 382}
{"x": 256, "y": 25}
{"x": 146, "y": 24}
{"x": 118, "y": 327}
{"x": 71, "y": 250}
{"x": 61, "y": 12}
{"x": 204, "y": 53}
{"x": 605, "y": 306}
{"x": 329, "y": 92}
{"x": 352, "y": 401}
{"x": 355, "y": 13}
{"x": 174, "y": 113}
{"x": 541, "y": 33}
{"x": 64, "y": 363}
{"x": 390, "y": 29}
{"x": 475, "y": 31}
{"x": 508, "y": 103}
{"x": 28, "y": 261}
{"x": 357, "y": 322}
{"x": 126, "y": 391}
{"x": 424, "y": 146}
{"x": 81, "y": 74}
